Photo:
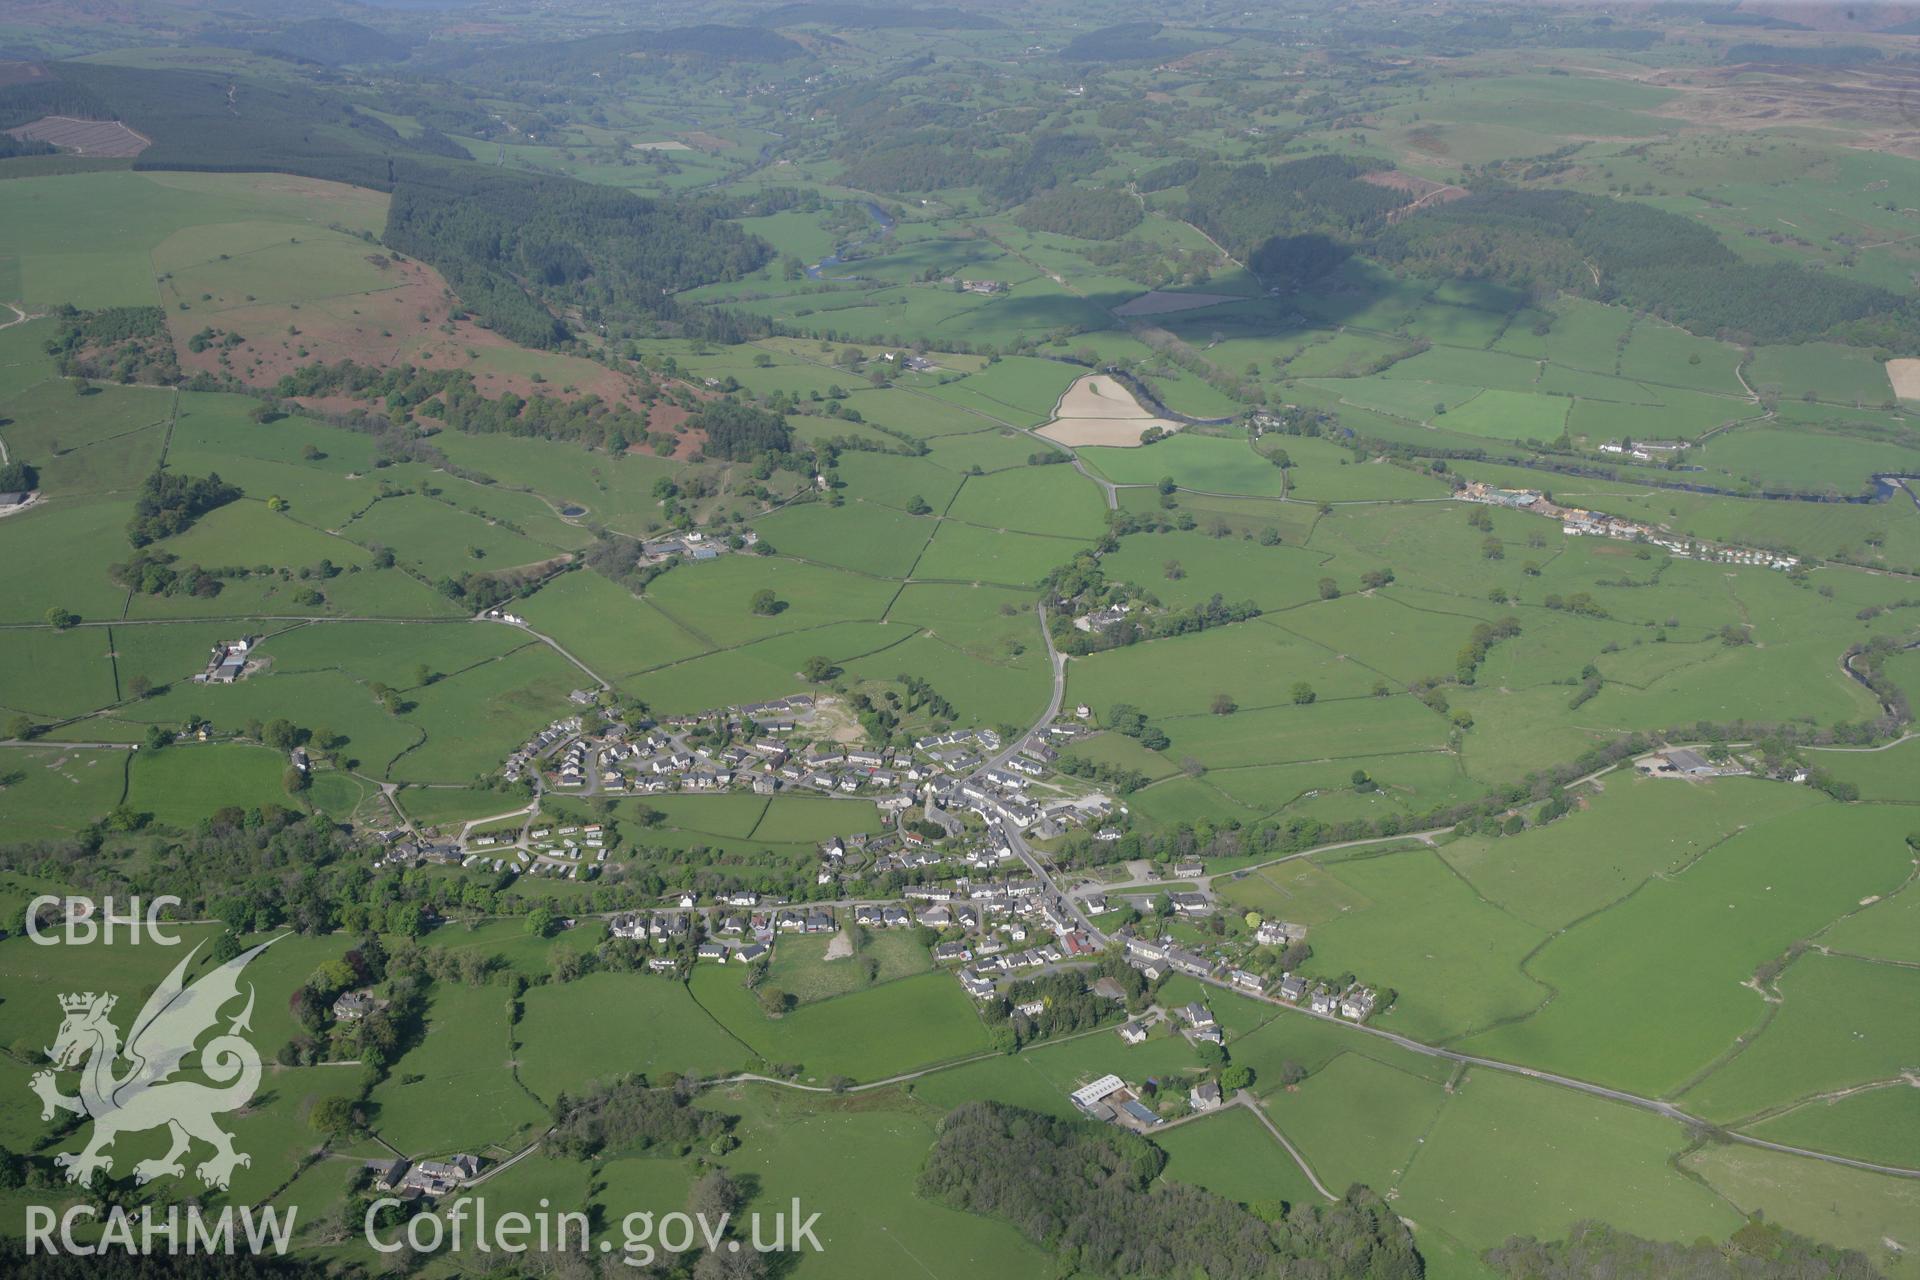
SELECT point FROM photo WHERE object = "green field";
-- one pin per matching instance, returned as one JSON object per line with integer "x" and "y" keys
{"x": 1430, "y": 248}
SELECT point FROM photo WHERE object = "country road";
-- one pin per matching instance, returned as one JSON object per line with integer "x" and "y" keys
{"x": 1070, "y": 905}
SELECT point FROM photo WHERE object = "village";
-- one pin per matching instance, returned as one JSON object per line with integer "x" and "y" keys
{"x": 1580, "y": 522}
{"x": 959, "y": 808}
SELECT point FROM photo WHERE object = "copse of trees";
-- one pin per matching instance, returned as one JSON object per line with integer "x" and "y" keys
{"x": 739, "y": 431}
{"x": 1088, "y": 213}
{"x": 1087, "y": 1194}
{"x": 628, "y": 1117}
{"x": 170, "y": 502}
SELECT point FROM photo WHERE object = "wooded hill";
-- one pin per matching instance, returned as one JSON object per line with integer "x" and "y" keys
{"x": 1630, "y": 253}
{"x": 512, "y": 245}
{"x": 517, "y": 248}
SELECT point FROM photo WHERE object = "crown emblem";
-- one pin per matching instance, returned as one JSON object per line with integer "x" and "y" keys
{"x": 80, "y": 1002}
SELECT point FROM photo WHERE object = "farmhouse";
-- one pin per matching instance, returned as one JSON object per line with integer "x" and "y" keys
{"x": 228, "y": 663}
{"x": 1198, "y": 1016}
{"x": 437, "y": 1177}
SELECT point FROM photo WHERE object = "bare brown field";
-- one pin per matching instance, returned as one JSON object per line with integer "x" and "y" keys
{"x": 85, "y": 137}
{"x": 1157, "y": 302}
{"x": 1905, "y": 377}
{"x": 411, "y": 320}
{"x": 1098, "y": 410}
{"x": 22, "y": 72}
{"x": 1871, "y": 103}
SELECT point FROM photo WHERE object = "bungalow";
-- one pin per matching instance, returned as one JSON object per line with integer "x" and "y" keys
{"x": 948, "y": 952}
{"x": 712, "y": 951}
{"x": 1031, "y": 1008}
{"x": 1190, "y": 904}
{"x": 753, "y": 951}
{"x": 1189, "y": 869}
{"x": 661, "y": 964}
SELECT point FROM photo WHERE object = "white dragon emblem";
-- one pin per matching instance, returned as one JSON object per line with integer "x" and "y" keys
{"x": 144, "y": 1097}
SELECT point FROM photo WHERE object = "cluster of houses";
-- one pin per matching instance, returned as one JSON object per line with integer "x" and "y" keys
{"x": 525, "y": 759}
{"x": 1000, "y": 918}
{"x": 1580, "y": 522}
{"x": 733, "y": 937}
{"x": 1577, "y": 522}
{"x": 230, "y": 661}
{"x": 1155, "y": 957}
{"x": 428, "y": 1179}
{"x": 1354, "y": 1003}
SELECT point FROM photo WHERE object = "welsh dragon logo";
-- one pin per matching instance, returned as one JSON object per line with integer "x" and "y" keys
{"x": 143, "y": 1095}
